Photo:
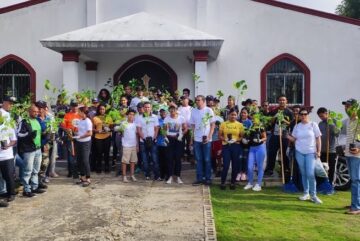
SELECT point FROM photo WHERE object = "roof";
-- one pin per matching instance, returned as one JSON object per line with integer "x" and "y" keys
{"x": 155, "y": 32}
{"x": 310, "y": 11}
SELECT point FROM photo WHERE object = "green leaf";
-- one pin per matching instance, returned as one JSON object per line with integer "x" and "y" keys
{"x": 47, "y": 84}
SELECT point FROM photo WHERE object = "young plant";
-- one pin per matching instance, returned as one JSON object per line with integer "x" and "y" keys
{"x": 197, "y": 81}
{"x": 336, "y": 120}
{"x": 116, "y": 94}
{"x": 205, "y": 121}
{"x": 219, "y": 94}
{"x": 241, "y": 88}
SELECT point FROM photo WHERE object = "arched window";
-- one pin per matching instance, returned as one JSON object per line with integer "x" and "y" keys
{"x": 287, "y": 75}
{"x": 17, "y": 77}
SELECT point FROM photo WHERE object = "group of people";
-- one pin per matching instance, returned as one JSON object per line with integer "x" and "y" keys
{"x": 155, "y": 132}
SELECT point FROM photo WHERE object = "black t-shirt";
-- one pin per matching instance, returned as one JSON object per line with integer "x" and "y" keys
{"x": 287, "y": 113}
{"x": 255, "y": 133}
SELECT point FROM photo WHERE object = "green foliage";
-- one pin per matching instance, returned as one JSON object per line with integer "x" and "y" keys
{"x": 62, "y": 92}
{"x": 20, "y": 110}
{"x": 116, "y": 94}
{"x": 53, "y": 125}
{"x": 282, "y": 119}
{"x": 219, "y": 94}
{"x": 349, "y": 8}
{"x": 197, "y": 80}
{"x": 335, "y": 119}
{"x": 241, "y": 88}
{"x": 205, "y": 120}
{"x": 133, "y": 83}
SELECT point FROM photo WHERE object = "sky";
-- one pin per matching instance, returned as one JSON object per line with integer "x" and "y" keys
{"x": 322, "y": 5}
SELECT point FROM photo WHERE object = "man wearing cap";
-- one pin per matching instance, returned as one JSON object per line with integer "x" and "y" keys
{"x": 93, "y": 108}
{"x": 138, "y": 98}
{"x": 69, "y": 126}
{"x": 210, "y": 101}
{"x": 352, "y": 153}
{"x": 29, "y": 149}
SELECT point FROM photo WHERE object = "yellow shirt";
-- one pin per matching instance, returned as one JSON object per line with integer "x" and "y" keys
{"x": 98, "y": 122}
{"x": 232, "y": 128}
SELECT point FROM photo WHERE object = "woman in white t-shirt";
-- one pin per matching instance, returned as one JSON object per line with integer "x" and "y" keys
{"x": 176, "y": 128}
{"x": 307, "y": 138}
{"x": 83, "y": 146}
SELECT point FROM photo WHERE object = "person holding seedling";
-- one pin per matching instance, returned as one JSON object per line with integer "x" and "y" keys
{"x": 230, "y": 133}
{"x": 352, "y": 152}
{"x": 162, "y": 143}
{"x": 185, "y": 111}
{"x": 102, "y": 124}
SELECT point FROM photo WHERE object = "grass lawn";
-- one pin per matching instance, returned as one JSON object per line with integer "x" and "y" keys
{"x": 274, "y": 215}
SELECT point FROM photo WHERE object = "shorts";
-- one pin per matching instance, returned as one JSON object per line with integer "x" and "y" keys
{"x": 129, "y": 155}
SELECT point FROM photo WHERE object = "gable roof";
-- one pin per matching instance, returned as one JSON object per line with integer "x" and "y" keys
{"x": 123, "y": 33}
{"x": 310, "y": 11}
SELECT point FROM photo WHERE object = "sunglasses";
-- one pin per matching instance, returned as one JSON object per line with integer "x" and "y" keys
{"x": 303, "y": 114}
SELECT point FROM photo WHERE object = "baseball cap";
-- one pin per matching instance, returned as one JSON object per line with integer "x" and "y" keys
{"x": 9, "y": 98}
{"x": 350, "y": 101}
{"x": 140, "y": 105}
{"x": 73, "y": 103}
{"x": 209, "y": 97}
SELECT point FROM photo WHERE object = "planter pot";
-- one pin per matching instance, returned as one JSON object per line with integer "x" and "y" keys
{"x": 229, "y": 136}
{"x": 204, "y": 139}
{"x": 3, "y": 144}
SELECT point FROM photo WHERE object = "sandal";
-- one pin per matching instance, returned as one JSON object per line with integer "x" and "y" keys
{"x": 80, "y": 181}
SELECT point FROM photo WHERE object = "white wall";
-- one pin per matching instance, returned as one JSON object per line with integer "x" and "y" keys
{"x": 22, "y": 29}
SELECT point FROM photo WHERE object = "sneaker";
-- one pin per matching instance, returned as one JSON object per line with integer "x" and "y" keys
{"x": 256, "y": 188}
{"x": 159, "y": 179}
{"x": 38, "y": 191}
{"x": 208, "y": 183}
{"x": 133, "y": 178}
{"x": 243, "y": 177}
{"x": 125, "y": 179}
{"x": 179, "y": 181}
{"x": 28, "y": 194}
{"x": 147, "y": 178}
{"x": 46, "y": 180}
{"x": 353, "y": 212}
{"x": 316, "y": 200}
{"x": 197, "y": 183}
{"x": 42, "y": 186}
{"x": 54, "y": 175}
{"x": 3, "y": 204}
{"x": 169, "y": 181}
{"x": 248, "y": 186}
{"x": 304, "y": 197}
{"x": 238, "y": 177}
{"x": 222, "y": 186}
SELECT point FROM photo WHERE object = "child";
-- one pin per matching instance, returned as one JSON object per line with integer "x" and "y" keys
{"x": 130, "y": 145}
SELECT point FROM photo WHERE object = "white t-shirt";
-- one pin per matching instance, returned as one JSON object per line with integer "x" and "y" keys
{"x": 5, "y": 114}
{"x": 83, "y": 127}
{"x": 147, "y": 125}
{"x": 136, "y": 100}
{"x": 201, "y": 129}
{"x": 7, "y": 134}
{"x": 174, "y": 125}
{"x": 129, "y": 136}
{"x": 305, "y": 135}
{"x": 186, "y": 113}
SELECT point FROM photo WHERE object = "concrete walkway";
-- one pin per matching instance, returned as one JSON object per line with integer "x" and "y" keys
{"x": 108, "y": 210}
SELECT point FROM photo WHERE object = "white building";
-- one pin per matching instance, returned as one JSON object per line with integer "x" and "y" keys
{"x": 311, "y": 55}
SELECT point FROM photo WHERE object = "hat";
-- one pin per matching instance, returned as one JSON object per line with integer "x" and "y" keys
{"x": 41, "y": 104}
{"x": 140, "y": 105}
{"x": 349, "y": 102}
{"x": 209, "y": 97}
{"x": 216, "y": 99}
{"x": 184, "y": 97}
{"x": 95, "y": 100}
{"x": 9, "y": 98}
{"x": 247, "y": 102}
{"x": 73, "y": 103}
{"x": 162, "y": 110}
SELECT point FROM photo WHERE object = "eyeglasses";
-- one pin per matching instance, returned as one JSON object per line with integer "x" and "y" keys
{"x": 303, "y": 114}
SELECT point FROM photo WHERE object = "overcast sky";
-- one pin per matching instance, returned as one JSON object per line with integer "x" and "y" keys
{"x": 323, "y": 5}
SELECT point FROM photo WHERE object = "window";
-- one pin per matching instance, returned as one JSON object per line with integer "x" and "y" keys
{"x": 286, "y": 75}
{"x": 16, "y": 79}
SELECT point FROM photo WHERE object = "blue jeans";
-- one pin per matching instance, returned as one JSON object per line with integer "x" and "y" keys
{"x": 230, "y": 153}
{"x": 306, "y": 163}
{"x": 147, "y": 156}
{"x": 2, "y": 185}
{"x": 257, "y": 155}
{"x": 203, "y": 160}
{"x": 354, "y": 170}
{"x": 32, "y": 163}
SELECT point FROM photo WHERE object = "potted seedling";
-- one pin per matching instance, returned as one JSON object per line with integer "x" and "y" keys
{"x": 241, "y": 88}
{"x": 197, "y": 81}
{"x": 205, "y": 121}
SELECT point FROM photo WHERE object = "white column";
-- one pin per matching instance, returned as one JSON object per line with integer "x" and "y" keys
{"x": 200, "y": 58}
{"x": 91, "y": 70}
{"x": 71, "y": 71}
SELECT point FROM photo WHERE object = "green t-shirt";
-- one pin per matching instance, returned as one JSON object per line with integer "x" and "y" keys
{"x": 35, "y": 125}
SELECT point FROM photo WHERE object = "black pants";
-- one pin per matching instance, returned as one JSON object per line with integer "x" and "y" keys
{"x": 92, "y": 155}
{"x": 82, "y": 157}
{"x": 186, "y": 143}
{"x": 332, "y": 164}
{"x": 102, "y": 150}
{"x": 163, "y": 166}
{"x": 7, "y": 172}
{"x": 115, "y": 148}
{"x": 174, "y": 153}
{"x": 274, "y": 146}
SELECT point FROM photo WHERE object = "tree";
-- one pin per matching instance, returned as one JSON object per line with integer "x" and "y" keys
{"x": 349, "y": 8}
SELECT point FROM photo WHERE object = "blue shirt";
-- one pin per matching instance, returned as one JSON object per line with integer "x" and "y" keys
{"x": 246, "y": 123}
{"x": 160, "y": 138}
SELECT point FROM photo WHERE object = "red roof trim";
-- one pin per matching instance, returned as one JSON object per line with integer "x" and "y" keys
{"x": 21, "y": 5}
{"x": 310, "y": 11}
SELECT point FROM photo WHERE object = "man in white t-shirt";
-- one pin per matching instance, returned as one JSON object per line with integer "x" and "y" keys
{"x": 148, "y": 128}
{"x": 185, "y": 111}
{"x": 138, "y": 98}
{"x": 202, "y": 123}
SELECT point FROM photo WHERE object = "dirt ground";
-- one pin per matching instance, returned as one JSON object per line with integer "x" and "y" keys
{"x": 107, "y": 210}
